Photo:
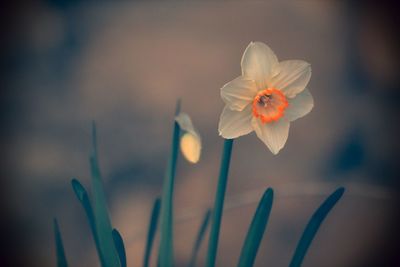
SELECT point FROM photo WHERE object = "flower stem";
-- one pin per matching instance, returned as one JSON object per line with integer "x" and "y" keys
{"x": 219, "y": 203}
{"x": 166, "y": 252}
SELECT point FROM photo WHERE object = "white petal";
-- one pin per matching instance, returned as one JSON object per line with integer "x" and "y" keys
{"x": 191, "y": 147}
{"x": 293, "y": 77}
{"x": 237, "y": 94}
{"x": 259, "y": 63}
{"x": 273, "y": 134}
{"x": 185, "y": 123}
{"x": 299, "y": 106}
{"x": 233, "y": 123}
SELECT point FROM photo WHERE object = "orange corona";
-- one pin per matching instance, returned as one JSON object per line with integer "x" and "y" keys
{"x": 269, "y": 105}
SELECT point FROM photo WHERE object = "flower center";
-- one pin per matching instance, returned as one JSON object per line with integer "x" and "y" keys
{"x": 269, "y": 105}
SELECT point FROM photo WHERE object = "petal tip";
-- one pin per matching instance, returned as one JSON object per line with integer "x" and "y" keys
{"x": 275, "y": 152}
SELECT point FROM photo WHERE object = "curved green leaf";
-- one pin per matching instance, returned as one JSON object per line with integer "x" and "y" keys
{"x": 61, "y": 259}
{"x": 119, "y": 244}
{"x": 83, "y": 198}
{"x": 256, "y": 230}
{"x": 313, "y": 226}
{"x": 199, "y": 238}
{"x": 152, "y": 231}
{"x": 102, "y": 220}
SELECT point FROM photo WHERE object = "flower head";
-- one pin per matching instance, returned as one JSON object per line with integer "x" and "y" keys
{"x": 266, "y": 97}
{"x": 190, "y": 142}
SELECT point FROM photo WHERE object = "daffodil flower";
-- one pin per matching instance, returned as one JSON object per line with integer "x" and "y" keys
{"x": 266, "y": 97}
{"x": 190, "y": 142}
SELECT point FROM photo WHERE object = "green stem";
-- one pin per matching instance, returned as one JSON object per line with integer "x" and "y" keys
{"x": 166, "y": 253}
{"x": 219, "y": 203}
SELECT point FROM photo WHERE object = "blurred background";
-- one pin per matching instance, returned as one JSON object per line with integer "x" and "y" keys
{"x": 124, "y": 64}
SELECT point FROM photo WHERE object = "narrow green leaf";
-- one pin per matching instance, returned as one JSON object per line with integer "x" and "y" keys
{"x": 219, "y": 203}
{"x": 166, "y": 252}
{"x": 83, "y": 198}
{"x": 256, "y": 230}
{"x": 199, "y": 238}
{"x": 61, "y": 259}
{"x": 102, "y": 220}
{"x": 313, "y": 226}
{"x": 119, "y": 244}
{"x": 152, "y": 231}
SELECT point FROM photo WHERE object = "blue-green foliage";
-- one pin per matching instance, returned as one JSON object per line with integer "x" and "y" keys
{"x": 102, "y": 220}
{"x": 152, "y": 231}
{"x": 83, "y": 198}
{"x": 313, "y": 226}
{"x": 256, "y": 230}
{"x": 61, "y": 259}
{"x": 119, "y": 245}
{"x": 109, "y": 242}
{"x": 199, "y": 238}
{"x": 166, "y": 252}
{"x": 219, "y": 203}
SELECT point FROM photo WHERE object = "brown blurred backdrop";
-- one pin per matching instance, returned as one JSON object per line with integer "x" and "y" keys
{"x": 124, "y": 64}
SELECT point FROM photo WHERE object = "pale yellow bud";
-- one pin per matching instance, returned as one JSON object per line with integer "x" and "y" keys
{"x": 190, "y": 142}
{"x": 191, "y": 147}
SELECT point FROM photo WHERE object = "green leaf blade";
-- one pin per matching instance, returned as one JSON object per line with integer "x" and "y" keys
{"x": 256, "y": 230}
{"x": 199, "y": 238}
{"x": 119, "y": 244}
{"x": 102, "y": 220}
{"x": 313, "y": 226}
{"x": 151, "y": 231}
{"x": 83, "y": 198}
{"x": 61, "y": 259}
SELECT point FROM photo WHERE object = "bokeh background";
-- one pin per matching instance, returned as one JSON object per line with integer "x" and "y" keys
{"x": 124, "y": 64}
